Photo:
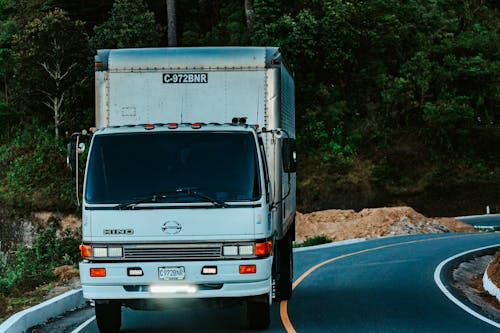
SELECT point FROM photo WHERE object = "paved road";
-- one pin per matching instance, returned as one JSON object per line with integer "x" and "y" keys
{"x": 383, "y": 285}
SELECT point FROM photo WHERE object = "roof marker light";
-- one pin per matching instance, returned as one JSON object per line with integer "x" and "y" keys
{"x": 149, "y": 126}
{"x": 196, "y": 125}
{"x": 172, "y": 125}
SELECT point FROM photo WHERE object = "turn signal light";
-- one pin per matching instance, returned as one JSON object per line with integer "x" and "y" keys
{"x": 98, "y": 272}
{"x": 263, "y": 248}
{"x": 85, "y": 250}
{"x": 248, "y": 269}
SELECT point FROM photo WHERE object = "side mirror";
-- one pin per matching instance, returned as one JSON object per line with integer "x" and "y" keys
{"x": 289, "y": 152}
{"x": 81, "y": 148}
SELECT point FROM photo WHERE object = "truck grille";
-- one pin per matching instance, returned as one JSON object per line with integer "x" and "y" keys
{"x": 172, "y": 251}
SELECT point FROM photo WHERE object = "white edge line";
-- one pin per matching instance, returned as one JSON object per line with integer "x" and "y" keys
{"x": 83, "y": 325}
{"x": 331, "y": 244}
{"x": 448, "y": 294}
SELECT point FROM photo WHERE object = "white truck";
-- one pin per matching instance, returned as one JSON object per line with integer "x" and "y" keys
{"x": 189, "y": 188}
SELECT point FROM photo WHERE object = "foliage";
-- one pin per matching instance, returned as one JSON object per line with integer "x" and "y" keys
{"x": 52, "y": 57}
{"x": 397, "y": 83}
{"x": 130, "y": 25}
{"x": 215, "y": 23}
{"x": 32, "y": 169}
{"x": 33, "y": 266}
{"x": 393, "y": 96}
{"x": 316, "y": 240}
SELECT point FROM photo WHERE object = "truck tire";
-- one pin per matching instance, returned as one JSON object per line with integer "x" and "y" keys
{"x": 108, "y": 317}
{"x": 259, "y": 313}
{"x": 285, "y": 257}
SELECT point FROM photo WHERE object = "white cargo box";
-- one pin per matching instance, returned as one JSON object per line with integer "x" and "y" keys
{"x": 205, "y": 84}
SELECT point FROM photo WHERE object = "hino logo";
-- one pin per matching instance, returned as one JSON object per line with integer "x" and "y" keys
{"x": 118, "y": 231}
{"x": 171, "y": 227}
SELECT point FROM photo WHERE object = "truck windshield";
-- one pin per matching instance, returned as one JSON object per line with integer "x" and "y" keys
{"x": 221, "y": 165}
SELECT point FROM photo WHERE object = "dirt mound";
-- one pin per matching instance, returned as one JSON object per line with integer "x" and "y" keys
{"x": 372, "y": 223}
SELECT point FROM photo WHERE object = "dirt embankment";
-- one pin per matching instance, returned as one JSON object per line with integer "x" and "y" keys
{"x": 372, "y": 223}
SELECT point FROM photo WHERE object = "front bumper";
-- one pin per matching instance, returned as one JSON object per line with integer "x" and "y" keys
{"x": 227, "y": 283}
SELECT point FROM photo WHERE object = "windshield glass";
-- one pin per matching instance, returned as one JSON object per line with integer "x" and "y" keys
{"x": 220, "y": 165}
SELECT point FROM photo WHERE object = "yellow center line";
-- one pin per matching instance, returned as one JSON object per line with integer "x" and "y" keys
{"x": 285, "y": 319}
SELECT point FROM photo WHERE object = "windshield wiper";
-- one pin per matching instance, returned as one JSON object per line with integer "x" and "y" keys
{"x": 192, "y": 192}
{"x": 134, "y": 202}
{"x": 155, "y": 198}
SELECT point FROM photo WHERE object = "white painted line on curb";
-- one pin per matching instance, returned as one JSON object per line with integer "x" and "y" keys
{"x": 38, "y": 314}
{"x": 83, "y": 325}
{"x": 437, "y": 279}
{"x": 327, "y": 245}
{"x": 489, "y": 286}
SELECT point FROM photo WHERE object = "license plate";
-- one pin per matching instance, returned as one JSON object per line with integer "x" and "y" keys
{"x": 171, "y": 273}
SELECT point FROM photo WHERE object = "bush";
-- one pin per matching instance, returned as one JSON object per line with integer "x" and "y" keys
{"x": 32, "y": 170}
{"x": 33, "y": 266}
{"x": 316, "y": 240}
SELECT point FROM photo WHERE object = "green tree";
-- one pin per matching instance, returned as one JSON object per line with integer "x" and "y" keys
{"x": 52, "y": 56}
{"x": 130, "y": 24}
{"x": 213, "y": 23}
{"x": 7, "y": 28}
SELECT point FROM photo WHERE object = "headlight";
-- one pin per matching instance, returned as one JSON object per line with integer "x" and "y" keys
{"x": 101, "y": 251}
{"x": 230, "y": 250}
{"x": 238, "y": 250}
{"x": 115, "y": 252}
{"x": 246, "y": 250}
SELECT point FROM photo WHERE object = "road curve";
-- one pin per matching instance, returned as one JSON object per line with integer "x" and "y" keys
{"x": 385, "y": 285}
{"x": 382, "y": 285}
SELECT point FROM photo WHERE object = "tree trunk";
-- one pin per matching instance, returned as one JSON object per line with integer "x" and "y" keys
{"x": 250, "y": 14}
{"x": 172, "y": 24}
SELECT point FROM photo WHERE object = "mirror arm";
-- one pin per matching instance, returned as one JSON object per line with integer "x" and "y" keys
{"x": 77, "y": 152}
{"x": 76, "y": 171}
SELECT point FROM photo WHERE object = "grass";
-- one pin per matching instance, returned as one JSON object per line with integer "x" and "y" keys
{"x": 13, "y": 304}
{"x": 316, "y": 240}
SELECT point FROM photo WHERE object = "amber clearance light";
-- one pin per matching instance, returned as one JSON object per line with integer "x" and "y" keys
{"x": 98, "y": 272}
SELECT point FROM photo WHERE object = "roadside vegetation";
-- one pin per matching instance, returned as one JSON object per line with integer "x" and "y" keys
{"x": 32, "y": 267}
{"x": 397, "y": 101}
{"x": 316, "y": 240}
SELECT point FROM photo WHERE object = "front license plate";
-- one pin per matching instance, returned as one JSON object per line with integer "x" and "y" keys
{"x": 171, "y": 273}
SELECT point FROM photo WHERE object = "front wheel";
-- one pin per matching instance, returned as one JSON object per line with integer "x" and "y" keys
{"x": 259, "y": 313}
{"x": 108, "y": 316}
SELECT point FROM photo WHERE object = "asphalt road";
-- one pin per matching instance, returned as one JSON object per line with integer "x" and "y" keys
{"x": 383, "y": 285}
